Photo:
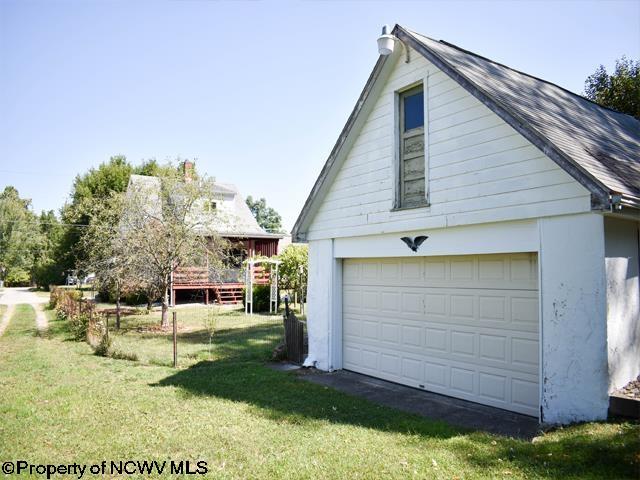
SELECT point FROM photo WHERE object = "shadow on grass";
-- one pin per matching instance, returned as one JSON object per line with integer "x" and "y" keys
{"x": 284, "y": 398}
{"x": 581, "y": 451}
{"x": 576, "y": 452}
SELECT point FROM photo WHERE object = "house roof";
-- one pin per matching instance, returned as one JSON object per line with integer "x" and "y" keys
{"x": 597, "y": 146}
{"x": 231, "y": 218}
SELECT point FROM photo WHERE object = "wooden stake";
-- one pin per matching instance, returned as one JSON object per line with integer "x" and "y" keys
{"x": 175, "y": 341}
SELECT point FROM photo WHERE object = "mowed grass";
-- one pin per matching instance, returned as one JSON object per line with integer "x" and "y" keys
{"x": 236, "y": 336}
{"x": 60, "y": 403}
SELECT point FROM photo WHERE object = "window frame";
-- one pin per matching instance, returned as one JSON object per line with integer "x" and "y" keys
{"x": 399, "y": 95}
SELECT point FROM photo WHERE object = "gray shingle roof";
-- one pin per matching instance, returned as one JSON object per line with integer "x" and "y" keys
{"x": 231, "y": 218}
{"x": 603, "y": 143}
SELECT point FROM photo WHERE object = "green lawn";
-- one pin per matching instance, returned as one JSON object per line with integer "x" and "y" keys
{"x": 60, "y": 403}
{"x": 237, "y": 336}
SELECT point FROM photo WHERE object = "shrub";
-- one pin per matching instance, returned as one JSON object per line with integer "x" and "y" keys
{"x": 17, "y": 277}
{"x": 103, "y": 348}
{"x": 118, "y": 355}
{"x": 294, "y": 267}
{"x": 54, "y": 296}
{"x": 68, "y": 306}
{"x": 78, "y": 325}
{"x": 97, "y": 334}
{"x": 261, "y": 297}
{"x": 136, "y": 298}
{"x": 63, "y": 299}
{"x": 47, "y": 273}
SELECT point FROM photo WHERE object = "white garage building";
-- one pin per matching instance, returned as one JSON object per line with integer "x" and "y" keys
{"x": 525, "y": 293}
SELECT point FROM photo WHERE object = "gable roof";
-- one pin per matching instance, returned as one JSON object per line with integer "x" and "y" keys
{"x": 597, "y": 146}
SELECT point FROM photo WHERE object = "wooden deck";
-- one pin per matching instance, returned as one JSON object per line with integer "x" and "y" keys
{"x": 225, "y": 288}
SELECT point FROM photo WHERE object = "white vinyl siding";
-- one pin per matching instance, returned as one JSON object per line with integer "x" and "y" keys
{"x": 479, "y": 168}
{"x": 464, "y": 326}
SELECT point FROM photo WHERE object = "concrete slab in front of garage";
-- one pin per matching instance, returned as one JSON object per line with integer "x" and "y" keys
{"x": 427, "y": 404}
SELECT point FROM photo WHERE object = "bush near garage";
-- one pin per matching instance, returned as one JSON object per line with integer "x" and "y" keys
{"x": 261, "y": 297}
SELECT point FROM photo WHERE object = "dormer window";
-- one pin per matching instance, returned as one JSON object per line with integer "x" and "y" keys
{"x": 411, "y": 155}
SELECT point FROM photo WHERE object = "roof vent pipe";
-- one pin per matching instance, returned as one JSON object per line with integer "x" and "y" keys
{"x": 386, "y": 42}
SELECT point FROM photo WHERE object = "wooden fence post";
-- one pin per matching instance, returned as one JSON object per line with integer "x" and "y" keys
{"x": 175, "y": 341}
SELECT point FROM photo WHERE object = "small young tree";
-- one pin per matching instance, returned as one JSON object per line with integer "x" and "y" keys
{"x": 148, "y": 286}
{"x": 165, "y": 224}
{"x": 211, "y": 324}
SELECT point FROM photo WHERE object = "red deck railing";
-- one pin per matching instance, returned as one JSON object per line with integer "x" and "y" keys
{"x": 202, "y": 276}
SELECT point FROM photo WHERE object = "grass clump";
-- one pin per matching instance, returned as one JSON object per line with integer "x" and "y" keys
{"x": 118, "y": 355}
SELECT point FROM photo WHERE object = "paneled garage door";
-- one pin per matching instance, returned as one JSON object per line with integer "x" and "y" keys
{"x": 464, "y": 326}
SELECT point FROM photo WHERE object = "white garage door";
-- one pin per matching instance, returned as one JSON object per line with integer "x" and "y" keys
{"x": 464, "y": 326}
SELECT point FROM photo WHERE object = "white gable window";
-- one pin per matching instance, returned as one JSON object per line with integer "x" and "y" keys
{"x": 411, "y": 185}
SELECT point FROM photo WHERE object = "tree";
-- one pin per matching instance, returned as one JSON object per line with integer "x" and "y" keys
{"x": 162, "y": 223}
{"x": 294, "y": 269}
{"x": 46, "y": 271}
{"x": 107, "y": 253}
{"x": 620, "y": 90}
{"x": 211, "y": 324}
{"x": 266, "y": 216}
{"x": 19, "y": 237}
{"x": 152, "y": 168}
{"x": 93, "y": 186}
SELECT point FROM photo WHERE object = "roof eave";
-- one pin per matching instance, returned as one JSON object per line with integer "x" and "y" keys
{"x": 298, "y": 233}
{"x": 250, "y": 235}
{"x": 630, "y": 201}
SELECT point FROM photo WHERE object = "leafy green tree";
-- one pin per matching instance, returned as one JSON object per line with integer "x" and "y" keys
{"x": 620, "y": 90}
{"x": 98, "y": 183}
{"x": 90, "y": 189}
{"x": 152, "y": 168}
{"x": 267, "y": 217}
{"x": 19, "y": 237}
{"x": 28, "y": 243}
{"x": 294, "y": 269}
{"x": 46, "y": 270}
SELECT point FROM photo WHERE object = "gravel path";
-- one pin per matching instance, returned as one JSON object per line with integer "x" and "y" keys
{"x": 16, "y": 296}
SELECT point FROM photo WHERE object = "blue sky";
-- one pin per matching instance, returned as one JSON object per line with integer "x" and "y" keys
{"x": 256, "y": 91}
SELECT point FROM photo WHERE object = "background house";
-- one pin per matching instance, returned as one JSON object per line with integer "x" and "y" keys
{"x": 525, "y": 294}
{"x": 226, "y": 215}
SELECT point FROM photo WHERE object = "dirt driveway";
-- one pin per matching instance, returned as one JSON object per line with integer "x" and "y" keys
{"x": 21, "y": 295}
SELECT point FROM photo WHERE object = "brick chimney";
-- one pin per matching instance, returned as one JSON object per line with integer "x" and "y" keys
{"x": 188, "y": 170}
